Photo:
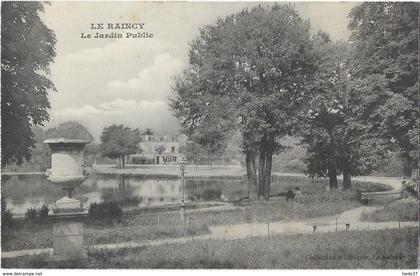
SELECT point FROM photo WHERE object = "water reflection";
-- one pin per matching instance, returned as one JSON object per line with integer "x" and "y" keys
{"x": 25, "y": 191}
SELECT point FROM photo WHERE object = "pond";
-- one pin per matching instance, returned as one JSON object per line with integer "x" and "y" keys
{"x": 25, "y": 191}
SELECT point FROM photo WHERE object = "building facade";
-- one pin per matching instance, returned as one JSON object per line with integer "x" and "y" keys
{"x": 157, "y": 149}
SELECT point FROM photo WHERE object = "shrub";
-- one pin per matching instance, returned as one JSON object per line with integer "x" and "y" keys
{"x": 409, "y": 188}
{"x": 43, "y": 212}
{"x": 371, "y": 187}
{"x": 31, "y": 214}
{"x": 131, "y": 201}
{"x": 105, "y": 210}
{"x": 6, "y": 214}
{"x": 141, "y": 160}
{"x": 249, "y": 217}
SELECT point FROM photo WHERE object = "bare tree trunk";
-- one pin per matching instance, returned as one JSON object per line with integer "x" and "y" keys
{"x": 251, "y": 174}
{"x": 332, "y": 175}
{"x": 346, "y": 180}
{"x": 261, "y": 174}
{"x": 123, "y": 160}
{"x": 268, "y": 165}
{"x": 409, "y": 164}
{"x": 267, "y": 172}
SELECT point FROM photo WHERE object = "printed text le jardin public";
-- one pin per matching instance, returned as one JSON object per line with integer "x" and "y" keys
{"x": 117, "y": 30}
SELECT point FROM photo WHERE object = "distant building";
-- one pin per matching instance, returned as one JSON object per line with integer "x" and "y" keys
{"x": 157, "y": 149}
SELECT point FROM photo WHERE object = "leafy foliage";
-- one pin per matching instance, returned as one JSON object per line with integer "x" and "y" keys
{"x": 119, "y": 141}
{"x": 338, "y": 137}
{"x": 409, "y": 188}
{"x": 191, "y": 150}
{"x": 28, "y": 47}
{"x": 108, "y": 210}
{"x": 69, "y": 130}
{"x": 385, "y": 37}
{"x": 160, "y": 149}
{"x": 37, "y": 215}
{"x": 6, "y": 214}
{"x": 41, "y": 154}
{"x": 31, "y": 214}
{"x": 248, "y": 71}
{"x": 43, "y": 212}
{"x": 148, "y": 131}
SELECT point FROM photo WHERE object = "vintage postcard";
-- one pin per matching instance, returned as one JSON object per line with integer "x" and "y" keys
{"x": 209, "y": 135}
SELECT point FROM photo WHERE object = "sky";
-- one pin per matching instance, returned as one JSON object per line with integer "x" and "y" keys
{"x": 104, "y": 81}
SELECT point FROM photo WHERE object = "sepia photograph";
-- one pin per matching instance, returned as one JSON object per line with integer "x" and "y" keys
{"x": 209, "y": 135}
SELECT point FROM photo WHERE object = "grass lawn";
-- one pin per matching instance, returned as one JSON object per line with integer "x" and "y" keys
{"x": 314, "y": 202}
{"x": 400, "y": 210}
{"x": 382, "y": 249}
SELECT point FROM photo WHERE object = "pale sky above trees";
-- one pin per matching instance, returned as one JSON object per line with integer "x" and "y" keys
{"x": 128, "y": 81}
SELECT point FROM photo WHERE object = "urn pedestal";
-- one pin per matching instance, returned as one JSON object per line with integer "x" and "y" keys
{"x": 68, "y": 232}
{"x": 68, "y": 214}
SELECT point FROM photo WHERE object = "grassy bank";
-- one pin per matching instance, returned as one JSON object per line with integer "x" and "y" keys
{"x": 28, "y": 235}
{"x": 383, "y": 249}
{"x": 400, "y": 210}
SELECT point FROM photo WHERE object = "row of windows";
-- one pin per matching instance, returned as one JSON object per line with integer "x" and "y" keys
{"x": 169, "y": 158}
{"x": 161, "y": 139}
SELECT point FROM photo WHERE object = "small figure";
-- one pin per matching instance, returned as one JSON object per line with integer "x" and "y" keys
{"x": 290, "y": 195}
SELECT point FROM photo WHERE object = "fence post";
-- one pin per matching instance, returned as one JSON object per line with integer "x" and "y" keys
{"x": 268, "y": 228}
{"x": 192, "y": 231}
{"x": 335, "y": 224}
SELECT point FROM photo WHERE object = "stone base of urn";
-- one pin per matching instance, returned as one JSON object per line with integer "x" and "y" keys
{"x": 68, "y": 230}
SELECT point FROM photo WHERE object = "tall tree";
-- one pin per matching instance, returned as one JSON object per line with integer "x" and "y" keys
{"x": 191, "y": 150}
{"x": 385, "y": 37}
{"x": 27, "y": 47}
{"x": 339, "y": 139}
{"x": 117, "y": 141}
{"x": 253, "y": 65}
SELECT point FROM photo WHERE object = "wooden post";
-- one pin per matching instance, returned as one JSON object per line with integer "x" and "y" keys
{"x": 335, "y": 224}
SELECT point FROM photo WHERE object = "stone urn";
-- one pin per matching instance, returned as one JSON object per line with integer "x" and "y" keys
{"x": 67, "y": 172}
